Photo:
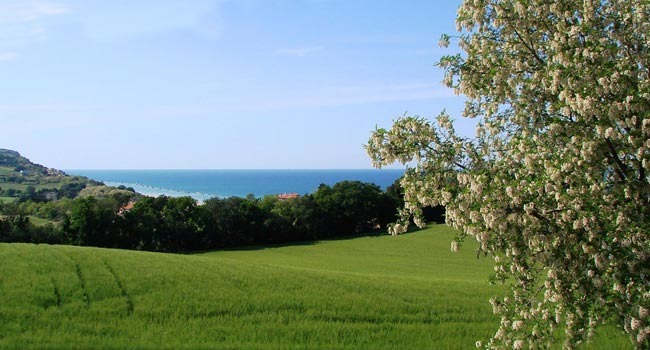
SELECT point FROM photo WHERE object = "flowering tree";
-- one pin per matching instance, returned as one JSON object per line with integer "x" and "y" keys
{"x": 555, "y": 186}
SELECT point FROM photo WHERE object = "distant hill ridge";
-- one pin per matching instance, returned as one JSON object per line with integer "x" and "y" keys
{"x": 9, "y": 152}
{"x": 24, "y": 179}
{"x": 11, "y": 158}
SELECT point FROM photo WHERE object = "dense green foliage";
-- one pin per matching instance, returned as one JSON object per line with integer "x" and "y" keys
{"x": 23, "y": 180}
{"x": 181, "y": 224}
{"x": 42, "y": 205}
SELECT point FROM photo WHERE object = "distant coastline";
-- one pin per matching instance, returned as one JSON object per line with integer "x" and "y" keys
{"x": 152, "y": 191}
{"x": 205, "y": 184}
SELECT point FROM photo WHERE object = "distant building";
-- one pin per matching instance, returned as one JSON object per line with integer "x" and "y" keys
{"x": 51, "y": 195}
{"x": 53, "y": 172}
{"x": 125, "y": 208}
{"x": 288, "y": 196}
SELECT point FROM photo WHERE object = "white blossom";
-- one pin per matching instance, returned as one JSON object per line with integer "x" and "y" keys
{"x": 454, "y": 246}
{"x": 559, "y": 174}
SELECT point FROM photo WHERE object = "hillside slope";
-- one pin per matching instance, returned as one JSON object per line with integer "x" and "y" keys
{"x": 20, "y": 176}
{"x": 407, "y": 292}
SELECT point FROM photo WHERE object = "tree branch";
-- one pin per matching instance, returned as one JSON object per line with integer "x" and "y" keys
{"x": 622, "y": 171}
{"x": 530, "y": 48}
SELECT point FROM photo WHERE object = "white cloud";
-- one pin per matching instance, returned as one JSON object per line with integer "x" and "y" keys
{"x": 353, "y": 95}
{"x": 264, "y": 100}
{"x": 8, "y": 56}
{"x": 299, "y": 51}
{"x": 23, "y": 22}
{"x": 116, "y": 20}
{"x": 19, "y": 109}
{"x": 29, "y": 11}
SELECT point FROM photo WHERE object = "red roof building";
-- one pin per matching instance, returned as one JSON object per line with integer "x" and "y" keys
{"x": 288, "y": 196}
{"x": 125, "y": 208}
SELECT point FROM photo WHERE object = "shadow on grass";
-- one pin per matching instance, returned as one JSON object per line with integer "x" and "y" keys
{"x": 377, "y": 233}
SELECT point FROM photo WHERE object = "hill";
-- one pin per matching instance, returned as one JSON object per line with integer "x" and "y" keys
{"x": 405, "y": 292}
{"x": 20, "y": 164}
{"x": 22, "y": 178}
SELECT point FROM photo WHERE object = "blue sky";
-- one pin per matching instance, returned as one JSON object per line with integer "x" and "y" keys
{"x": 240, "y": 84}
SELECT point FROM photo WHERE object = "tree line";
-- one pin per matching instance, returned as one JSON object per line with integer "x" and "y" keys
{"x": 180, "y": 224}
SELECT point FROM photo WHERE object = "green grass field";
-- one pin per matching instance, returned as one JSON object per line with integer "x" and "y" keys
{"x": 406, "y": 292}
{"x": 35, "y": 220}
{"x": 36, "y": 180}
{"x": 23, "y": 186}
{"x": 6, "y": 170}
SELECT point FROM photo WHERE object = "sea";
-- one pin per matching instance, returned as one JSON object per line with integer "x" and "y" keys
{"x": 205, "y": 184}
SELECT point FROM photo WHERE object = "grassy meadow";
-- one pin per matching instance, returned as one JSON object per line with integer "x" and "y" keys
{"x": 406, "y": 292}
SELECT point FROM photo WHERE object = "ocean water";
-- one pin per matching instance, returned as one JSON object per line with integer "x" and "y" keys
{"x": 204, "y": 184}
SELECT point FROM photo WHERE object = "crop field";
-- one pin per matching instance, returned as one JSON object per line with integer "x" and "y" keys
{"x": 39, "y": 182}
{"x": 37, "y": 186}
{"x": 6, "y": 170}
{"x": 406, "y": 292}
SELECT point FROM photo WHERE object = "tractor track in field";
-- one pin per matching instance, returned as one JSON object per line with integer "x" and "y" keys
{"x": 82, "y": 283}
{"x": 120, "y": 285}
{"x": 55, "y": 290}
{"x": 57, "y": 293}
{"x": 80, "y": 277}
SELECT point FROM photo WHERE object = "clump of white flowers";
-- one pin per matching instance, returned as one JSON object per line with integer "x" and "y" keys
{"x": 556, "y": 184}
